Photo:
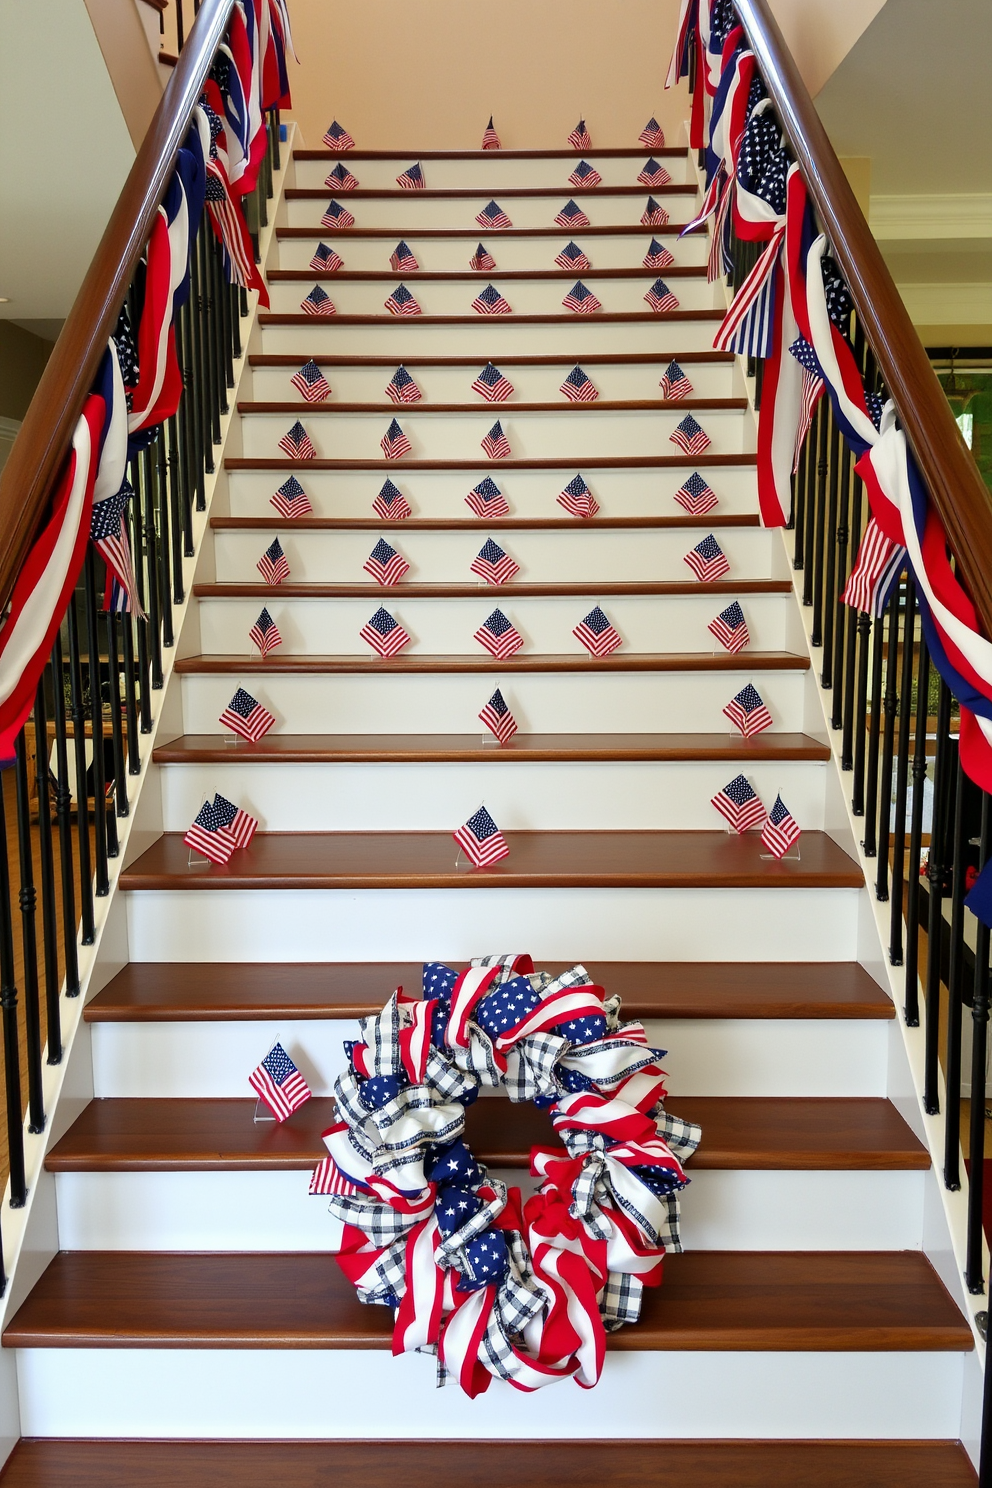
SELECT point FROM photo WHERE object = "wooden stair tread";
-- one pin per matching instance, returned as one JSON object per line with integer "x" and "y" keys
{"x": 155, "y": 1135}
{"x": 472, "y": 276}
{"x": 307, "y": 590}
{"x": 596, "y": 462}
{"x": 160, "y": 991}
{"x": 462, "y": 524}
{"x": 449, "y": 748}
{"x": 618, "y": 661}
{"x": 469, "y": 193}
{"x": 563, "y": 405}
{"x": 94, "y": 1463}
{"x": 555, "y": 317}
{"x": 415, "y": 860}
{"x": 480, "y": 156}
{"x": 724, "y": 1300}
{"x": 599, "y": 359}
{"x": 670, "y": 229}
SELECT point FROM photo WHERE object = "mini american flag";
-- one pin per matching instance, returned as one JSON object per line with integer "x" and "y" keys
{"x": 690, "y": 437}
{"x": 291, "y": 500}
{"x": 239, "y": 825}
{"x": 572, "y": 215}
{"x": 597, "y": 634}
{"x": 402, "y": 302}
{"x": 812, "y": 388}
{"x": 696, "y": 496}
{"x": 493, "y": 565}
{"x": 327, "y": 1178}
{"x": 572, "y": 257}
{"x": 578, "y": 388}
{"x": 577, "y": 499}
{"x": 482, "y": 260}
{"x": 296, "y": 443}
{"x": 660, "y": 297}
{"x": 318, "y": 302}
{"x": 491, "y": 302}
{"x": 391, "y": 504}
{"x": 585, "y": 175}
{"x": 487, "y": 500}
{"x": 740, "y": 804}
{"x": 311, "y": 382}
{"x": 109, "y": 534}
{"x": 278, "y": 1083}
{"x": 338, "y": 138}
{"x": 412, "y": 179}
{"x": 273, "y": 564}
{"x": 265, "y": 634}
{"x": 325, "y": 260}
{"x": 394, "y": 442}
{"x": 674, "y": 383}
{"x": 730, "y": 628}
{"x": 492, "y": 215}
{"x": 496, "y": 445}
{"x": 481, "y": 840}
{"x": 498, "y": 718}
{"x": 747, "y": 712}
{"x": 579, "y": 137}
{"x": 490, "y": 139}
{"x": 337, "y": 216}
{"x": 653, "y": 174}
{"x": 492, "y": 385}
{"x": 658, "y": 256}
{"x": 244, "y": 716}
{"x": 401, "y": 387}
{"x": 652, "y": 136}
{"x": 499, "y": 637}
{"x": 780, "y": 830}
{"x": 581, "y": 300}
{"x": 707, "y": 560}
{"x": 208, "y": 834}
{"x": 402, "y": 258}
{"x": 384, "y": 563}
{"x": 341, "y": 179}
{"x": 384, "y": 634}
{"x": 654, "y": 214}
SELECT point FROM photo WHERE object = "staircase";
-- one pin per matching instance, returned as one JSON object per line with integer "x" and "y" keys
{"x": 192, "y": 1326}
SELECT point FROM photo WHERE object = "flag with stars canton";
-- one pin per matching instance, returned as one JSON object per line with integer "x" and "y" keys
{"x": 341, "y": 178}
{"x": 578, "y": 388}
{"x": 572, "y": 215}
{"x": 572, "y": 257}
{"x": 391, "y": 504}
{"x": 708, "y": 560}
{"x": 581, "y": 300}
{"x": 492, "y": 385}
{"x": 325, "y": 260}
{"x": 394, "y": 442}
{"x": 265, "y": 634}
{"x": 490, "y": 139}
{"x": 579, "y": 138}
{"x": 402, "y": 258}
{"x": 747, "y": 711}
{"x": 318, "y": 302}
{"x": 498, "y": 719}
{"x": 780, "y": 830}
{"x": 661, "y": 298}
{"x": 337, "y": 216}
{"x": 696, "y": 496}
{"x": 273, "y": 564}
{"x": 495, "y": 444}
{"x": 730, "y": 628}
{"x": 297, "y": 444}
{"x": 244, "y": 716}
{"x": 493, "y": 564}
{"x": 291, "y": 500}
{"x": 585, "y": 175}
{"x": 690, "y": 437}
{"x": 740, "y": 804}
{"x": 487, "y": 500}
{"x": 492, "y": 215}
{"x": 278, "y": 1083}
{"x": 481, "y": 840}
{"x": 653, "y": 174}
{"x": 482, "y": 260}
{"x": 384, "y": 563}
{"x": 654, "y": 214}
{"x": 401, "y": 387}
{"x": 652, "y": 136}
{"x": 674, "y": 383}
{"x": 208, "y": 834}
{"x": 597, "y": 634}
{"x": 577, "y": 499}
{"x": 311, "y": 382}
{"x": 499, "y": 637}
{"x": 412, "y": 179}
{"x": 384, "y": 634}
{"x": 658, "y": 256}
{"x": 491, "y": 302}
{"x": 402, "y": 302}
{"x": 338, "y": 138}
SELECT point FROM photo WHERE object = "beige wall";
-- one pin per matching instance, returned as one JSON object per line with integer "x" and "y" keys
{"x": 22, "y": 361}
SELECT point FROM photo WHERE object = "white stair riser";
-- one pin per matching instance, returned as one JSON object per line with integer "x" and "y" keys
{"x": 522, "y": 797}
{"x": 512, "y": 253}
{"x": 235, "y": 1211}
{"x": 575, "y": 552}
{"x": 572, "y": 336}
{"x": 529, "y": 493}
{"x": 555, "y": 924}
{"x": 524, "y": 296}
{"x": 704, "y": 1056}
{"x": 574, "y": 433}
{"x": 545, "y": 703}
{"x": 307, "y": 1393}
{"x": 489, "y": 171}
{"x": 418, "y": 209}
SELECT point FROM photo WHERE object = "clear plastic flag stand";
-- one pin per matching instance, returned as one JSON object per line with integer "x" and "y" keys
{"x": 262, "y": 1113}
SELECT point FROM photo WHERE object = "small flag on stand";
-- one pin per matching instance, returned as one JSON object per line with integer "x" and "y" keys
{"x": 493, "y": 564}
{"x": 696, "y": 496}
{"x": 311, "y": 382}
{"x": 482, "y": 260}
{"x": 481, "y": 840}
{"x": 490, "y": 139}
{"x": 581, "y": 300}
{"x": 690, "y": 437}
{"x": 265, "y": 634}
{"x": 654, "y": 214}
{"x": 391, "y": 504}
{"x": 572, "y": 215}
{"x": 318, "y": 302}
{"x": 658, "y": 256}
{"x": 402, "y": 259}
{"x": 325, "y": 260}
{"x": 495, "y": 444}
{"x": 394, "y": 442}
{"x": 653, "y": 174}
{"x": 579, "y": 137}
{"x": 208, "y": 834}
{"x": 491, "y": 302}
{"x": 273, "y": 564}
{"x": 708, "y": 560}
{"x": 291, "y": 500}
{"x": 487, "y": 500}
{"x": 338, "y": 138}
{"x": 412, "y": 179}
{"x": 296, "y": 443}
{"x": 577, "y": 387}
{"x": 739, "y": 804}
{"x": 492, "y": 385}
{"x": 278, "y": 1083}
{"x": 652, "y": 136}
{"x": 730, "y": 628}
{"x": 812, "y": 388}
{"x": 498, "y": 719}
{"x": 384, "y": 634}
{"x": 327, "y": 1178}
{"x": 674, "y": 383}
{"x": 401, "y": 387}
{"x": 577, "y": 499}
{"x": 384, "y": 563}
{"x": 402, "y": 302}
{"x": 780, "y": 830}
{"x": 498, "y": 636}
{"x": 572, "y": 257}
{"x": 492, "y": 215}
{"x": 660, "y": 298}
{"x": 244, "y": 716}
{"x": 337, "y": 217}
{"x": 341, "y": 178}
{"x": 747, "y": 712}
{"x": 597, "y": 634}
{"x": 585, "y": 175}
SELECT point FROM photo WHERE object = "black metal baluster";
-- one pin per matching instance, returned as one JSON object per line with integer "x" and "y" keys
{"x": 902, "y": 775}
{"x": 154, "y": 625}
{"x": 175, "y": 510}
{"x": 96, "y": 719}
{"x": 851, "y": 719}
{"x": 27, "y": 899}
{"x": 211, "y": 360}
{"x": 916, "y": 839}
{"x": 979, "y": 1054}
{"x": 116, "y": 723}
{"x": 955, "y": 976}
{"x": 830, "y": 576}
{"x": 888, "y": 745}
{"x": 63, "y": 812}
{"x": 812, "y": 444}
{"x": 138, "y": 549}
{"x": 217, "y": 299}
{"x": 936, "y": 871}
{"x": 800, "y": 487}
{"x": 197, "y": 382}
{"x": 871, "y": 786}
{"x": 190, "y": 407}
{"x": 8, "y": 1008}
{"x": 49, "y": 928}
{"x": 87, "y": 928}
{"x": 822, "y": 444}
{"x": 163, "y": 547}
{"x": 130, "y": 701}
{"x": 841, "y": 639}
{"x": 861, "y": 716}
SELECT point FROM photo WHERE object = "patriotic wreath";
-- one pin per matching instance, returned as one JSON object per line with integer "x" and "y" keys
{"x": 495, "y": 1285}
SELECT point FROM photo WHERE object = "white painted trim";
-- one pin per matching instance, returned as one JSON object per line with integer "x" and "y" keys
{"x": 952, "y": 304}
{"x": 9, "y": 428}
{"x": 950, "y": 215}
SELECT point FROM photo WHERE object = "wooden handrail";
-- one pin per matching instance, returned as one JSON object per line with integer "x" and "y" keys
{"x": 44, "y": 438}
{"x": 956, "y": 487}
